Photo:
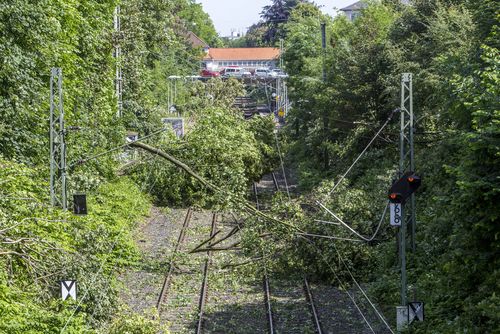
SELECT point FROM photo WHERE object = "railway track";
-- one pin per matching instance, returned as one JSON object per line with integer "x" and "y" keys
{"x": 181, "y": 291}
{"x": 267, "y": 301}
{"x": 168, "y": 277}
{"x": 307, "y": 296}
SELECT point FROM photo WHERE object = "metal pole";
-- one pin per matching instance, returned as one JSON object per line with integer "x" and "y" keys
{"x": 63, "y": 143}
{"x": 57, "y": 144}
{"x": 118, "y": 52}
{"x": 281, "y": 53}
{"x": 406, "y": 163}
{"x": 323, "y": 45}
{"x": 413, "y": 221}
{"x": 53, "y": 74}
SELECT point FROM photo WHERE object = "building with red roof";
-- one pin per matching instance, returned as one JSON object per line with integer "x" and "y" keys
{"x": 250, "y": 58}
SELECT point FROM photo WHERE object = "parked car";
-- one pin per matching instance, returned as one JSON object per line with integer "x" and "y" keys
{"x": 235, "y": 72}
{"x": 246, "y": 73}
{"x": 262, "y": 72}
{"x": 278, "y": 73}
{"x": 206, "y": 73}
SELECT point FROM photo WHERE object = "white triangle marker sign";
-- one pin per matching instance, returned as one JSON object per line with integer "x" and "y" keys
{"x": 68, "y": 289}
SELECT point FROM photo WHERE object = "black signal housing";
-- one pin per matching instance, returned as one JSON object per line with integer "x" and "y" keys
{"x": 403, "y": 188}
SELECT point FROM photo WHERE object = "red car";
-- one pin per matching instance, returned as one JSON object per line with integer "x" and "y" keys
{"x": 209, "y": 73}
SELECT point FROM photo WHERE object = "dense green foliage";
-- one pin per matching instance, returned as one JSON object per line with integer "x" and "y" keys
{"x": 40, "y": 245}
{"x": 219, "y": 146}
{"x": 74, "y": 35}
{"x": 451, "y": 47}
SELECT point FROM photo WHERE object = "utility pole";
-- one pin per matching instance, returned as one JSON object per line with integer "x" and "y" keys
{"x": 406, "y": 164}
{"x": 323, "y": 46}
{"x": 281, "y": 53}
{"x": 172, "y": 92}
{"x": 57, "y": 144}
{"x": 118, "y": 60}
{"x": 325, "y": 114}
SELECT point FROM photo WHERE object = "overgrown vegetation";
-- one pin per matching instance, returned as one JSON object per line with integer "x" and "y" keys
{"x": 40, "y": 245}
{"x": 451, "y": 47}
{"x": 219, "y": 146}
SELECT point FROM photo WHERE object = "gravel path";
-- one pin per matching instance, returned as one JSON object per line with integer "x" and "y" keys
{"x": 155, "y": 239}
{"x": 181, "y": 307}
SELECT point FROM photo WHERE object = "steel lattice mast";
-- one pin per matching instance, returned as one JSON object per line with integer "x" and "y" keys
{"x": 57, "y": 144}
{"x": 406, "y": 163}
{"x": 118, "y": 60}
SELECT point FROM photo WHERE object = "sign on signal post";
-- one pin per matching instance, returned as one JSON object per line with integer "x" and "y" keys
{"x": 177, "y": 125}
{"x": 415, "y": 311}
{"x": 68, "y": 289}
{"x": 396, "y": 214}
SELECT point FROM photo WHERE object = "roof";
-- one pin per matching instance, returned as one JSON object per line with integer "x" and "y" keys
{"x": 355, "y": 6}
{"x": 242, "y": 54}
{"x": 195, "y": 40}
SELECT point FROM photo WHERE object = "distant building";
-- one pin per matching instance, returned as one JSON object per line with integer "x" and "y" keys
{"x": 354, "y": 10}
{"x": 195, "y": 41}
{"x": 235, "y": 34}
{"x": 251, "y": 58}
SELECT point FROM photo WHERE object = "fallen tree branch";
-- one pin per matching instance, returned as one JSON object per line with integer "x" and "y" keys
{"x": 207, "y": 184}
{"x": 205, "y": 242}
{"x": 218, "y": 249}
{"x": 230, "y": 234}
{"x": 9, "y": 241}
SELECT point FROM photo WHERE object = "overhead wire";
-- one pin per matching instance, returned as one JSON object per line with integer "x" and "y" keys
{"x": 362, "y": 290}
{"x": 367, "y": 239}
{"x": 342, "y": 285}
{"x": 347, "y": 172}
{"x": 282, "y": 165}
{"x": 82, "y": 161}
{"x": 364, "y": 151}
{"x": 327, "y": 237}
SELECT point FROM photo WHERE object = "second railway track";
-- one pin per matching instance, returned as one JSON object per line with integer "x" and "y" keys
{"x": 289, "y": 309}
{"x": 181, "y": 301}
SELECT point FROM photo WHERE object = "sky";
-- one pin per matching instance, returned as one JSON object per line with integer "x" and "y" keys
{"x": 241, "y": 14}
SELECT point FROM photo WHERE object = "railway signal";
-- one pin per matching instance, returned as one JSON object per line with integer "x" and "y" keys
{"x": 402, "y": 189}
{"x": 80, "y": 204}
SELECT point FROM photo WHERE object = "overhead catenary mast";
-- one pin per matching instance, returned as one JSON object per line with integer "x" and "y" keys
{"x": 57, "y": 144}
{"x": 118, "y": 60}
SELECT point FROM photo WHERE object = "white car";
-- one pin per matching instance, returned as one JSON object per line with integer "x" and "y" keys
{"x": 278, "y": 73}
{"x": 262, "y": 73}
{"x": 246, "y": 73}
{"x": 235, "y": 72}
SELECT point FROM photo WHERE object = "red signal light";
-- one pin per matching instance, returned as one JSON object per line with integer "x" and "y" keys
{"x": 393, "y": 196}
{"x": 411, "y": 179}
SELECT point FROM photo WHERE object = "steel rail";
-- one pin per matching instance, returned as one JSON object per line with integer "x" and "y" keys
{"x": 310, "y": 301}
{"x": 265, "y": 278}
{"x": 168, "y": 277}
{"x": 204, "y": 285}
{"x": 267, "y": 300}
